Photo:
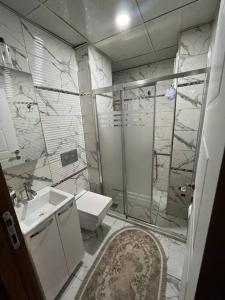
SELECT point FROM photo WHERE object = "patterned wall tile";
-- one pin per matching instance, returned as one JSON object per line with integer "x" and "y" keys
{"x": 194, "y": 45}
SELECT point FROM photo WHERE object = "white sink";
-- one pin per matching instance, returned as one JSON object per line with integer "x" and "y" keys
{"x": 46, "y": 203}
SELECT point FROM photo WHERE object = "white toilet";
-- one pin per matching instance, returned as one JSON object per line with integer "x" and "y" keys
{"x": 92, "y": 209}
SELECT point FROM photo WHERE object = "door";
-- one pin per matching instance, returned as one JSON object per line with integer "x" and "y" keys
{"x": 138, "y": 123}
{"x": 207, "y": 176}
{"x": 126, "y": 140}
{"x": 18, "y": 279}
{"x": 47, "y": 254}
{"x": 109, "y": 122}
{"x": 70, "y": 233}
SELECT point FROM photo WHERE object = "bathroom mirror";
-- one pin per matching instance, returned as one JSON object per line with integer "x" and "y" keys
{"x": 21, "y": 134}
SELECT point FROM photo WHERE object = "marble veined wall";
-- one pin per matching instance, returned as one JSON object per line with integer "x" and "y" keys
{"x": 52, "y": 64}
{"x": 94, "y": 72}
{"x": 164, "y": 112}
{"x": 192, "y": 54}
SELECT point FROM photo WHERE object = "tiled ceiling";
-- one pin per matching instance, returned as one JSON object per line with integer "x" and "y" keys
{"x": 152, "y": 34}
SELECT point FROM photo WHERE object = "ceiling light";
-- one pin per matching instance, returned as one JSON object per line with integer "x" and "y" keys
{"x": 122, "y": 20}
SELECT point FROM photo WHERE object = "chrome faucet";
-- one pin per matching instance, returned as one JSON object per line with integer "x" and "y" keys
{"x": 29, "y": 192}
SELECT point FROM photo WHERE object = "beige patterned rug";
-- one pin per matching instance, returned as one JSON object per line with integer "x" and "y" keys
{"x": 131, "y": 266}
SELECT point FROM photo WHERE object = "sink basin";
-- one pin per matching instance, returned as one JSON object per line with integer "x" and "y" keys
{"x": 46, "y": 203}
{"x": 41, "y": 206}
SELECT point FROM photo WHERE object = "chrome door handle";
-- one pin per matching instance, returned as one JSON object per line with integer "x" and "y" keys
{"x": 65, "y": 209}
{"x": 42, "y": 229}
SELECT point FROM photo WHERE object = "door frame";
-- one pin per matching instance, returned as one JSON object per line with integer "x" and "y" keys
{"x": 18, "y": 279}
{"x": 211, "y": 278}
{"x": 122, "y": 90}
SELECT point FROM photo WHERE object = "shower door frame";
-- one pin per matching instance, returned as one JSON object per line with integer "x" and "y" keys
{"x": 122, "y": 88}
{"x": 124, "y": 172}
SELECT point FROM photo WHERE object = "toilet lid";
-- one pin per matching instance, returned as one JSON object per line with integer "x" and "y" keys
{"x": 93, "y": 204}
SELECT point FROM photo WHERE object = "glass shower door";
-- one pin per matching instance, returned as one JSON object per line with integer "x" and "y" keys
{"x": 109, "y": 122}
{"x": 138, "y": 126}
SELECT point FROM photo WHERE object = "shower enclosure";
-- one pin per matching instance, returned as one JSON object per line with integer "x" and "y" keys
{"x": 125, "y": 118}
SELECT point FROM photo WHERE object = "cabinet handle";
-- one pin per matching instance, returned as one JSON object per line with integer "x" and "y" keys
{"x": 42, "y": 229}
{"x": 64, "y": 210}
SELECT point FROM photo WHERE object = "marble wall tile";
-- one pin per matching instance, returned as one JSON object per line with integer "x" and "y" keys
{"x": 11, "y": 31}
{"x": 38, "y": 177}
{"x": 188, "y": 63}
{"x": 53, "y": 64}
{"x": 163, "y": 161}
{"x": 59, "y": 173}
{"x": 104, "y": 103}
{"x": 139, "y": 105}
{"x": 163, "y": 133}
{"x": 163, "y": 104}
{"x": 68, "y": 186}
{"x": 83, "y": 181}
{"x": 56, "y": 103}
{"x": 194, "y": 46}
{"x": 190, "y": 96}
{"x": 185, "y": 140}
{"x": 161, "y": 185}
{"x": 53, "y": 74}
{"x": 61, "y": 126}
{"x": 98, "y": 76}
{"x": 40, "y": 43}
{"x": 55, "y": 147}
{"x": 163, "y": 146}
{"x": 88, "y": 124}
{"x": 143, "y": 72}
{"x": 187, "y": 119}
{"x": 183, "y": 160}
{"x": 94, "y": 72}
{"x": 64, "y": 133}
{"x": 179, "y": 201}
{"x": 75, "y": 184}
{"x": 195, "y": 41}
{"x": 161, "y": 175}
{"x": 192, "y": 54}
{"x": 164, "y": 119}
{"x": 86, "y": 105}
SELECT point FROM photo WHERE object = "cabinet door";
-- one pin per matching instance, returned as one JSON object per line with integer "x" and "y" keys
{"x": 47, "y": 253}
{"x": 70, "y": 232}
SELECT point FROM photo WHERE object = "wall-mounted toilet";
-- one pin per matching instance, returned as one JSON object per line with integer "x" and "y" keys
{"x": 92, "y": 209}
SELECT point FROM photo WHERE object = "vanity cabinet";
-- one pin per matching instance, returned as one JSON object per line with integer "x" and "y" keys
{"x": 70, "y": 233}
{"x": 56, "y": 248}
{"x": 47, "y": 254}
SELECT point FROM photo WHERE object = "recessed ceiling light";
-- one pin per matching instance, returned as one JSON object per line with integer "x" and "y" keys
{"x": 122, "y": 20}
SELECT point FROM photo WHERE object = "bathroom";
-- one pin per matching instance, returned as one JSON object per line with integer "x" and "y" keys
{"x": 107, "y": 115}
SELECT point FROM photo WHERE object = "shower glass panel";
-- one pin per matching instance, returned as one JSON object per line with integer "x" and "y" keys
{"x": 109, "y": 120}
{"x": 138, "y": 121}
